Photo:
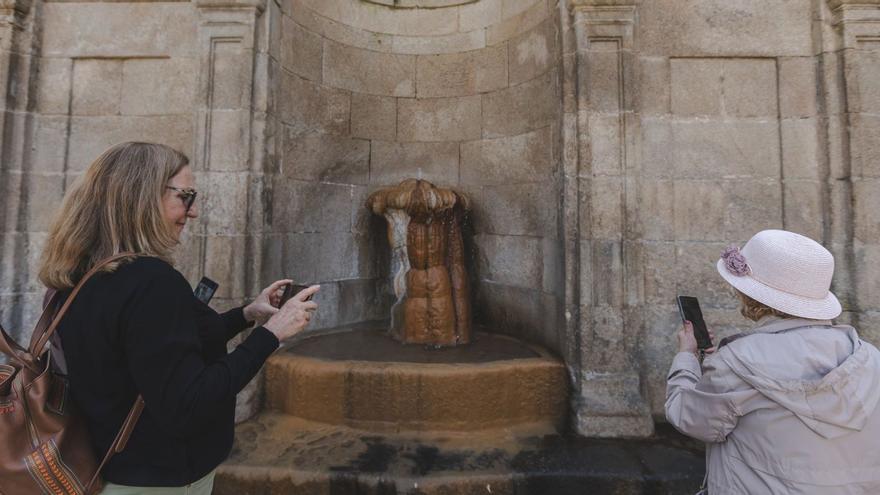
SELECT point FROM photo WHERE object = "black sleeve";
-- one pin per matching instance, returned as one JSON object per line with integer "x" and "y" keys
{"x": 234, "y": 322}
{"x": 162, "y": 345}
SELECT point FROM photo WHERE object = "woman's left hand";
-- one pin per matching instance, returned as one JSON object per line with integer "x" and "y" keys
{"x": 266, "y": 304}
{"x": 688, "y": 343}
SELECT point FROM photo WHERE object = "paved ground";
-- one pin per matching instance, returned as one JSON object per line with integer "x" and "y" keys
{"x": 278, "y": 454}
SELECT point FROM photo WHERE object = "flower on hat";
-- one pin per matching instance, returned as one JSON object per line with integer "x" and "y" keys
{"x": 735, "y": 262}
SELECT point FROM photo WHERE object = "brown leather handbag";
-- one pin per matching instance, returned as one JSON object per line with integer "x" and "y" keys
{"x": 44, "y": 445}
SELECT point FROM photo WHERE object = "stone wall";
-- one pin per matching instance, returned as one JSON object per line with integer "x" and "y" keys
{"x": 612, "y": 148}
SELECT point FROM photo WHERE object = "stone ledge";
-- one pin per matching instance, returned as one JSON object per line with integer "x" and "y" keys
{"x": 420, "y": 4}
{"x": 836, "y": 4}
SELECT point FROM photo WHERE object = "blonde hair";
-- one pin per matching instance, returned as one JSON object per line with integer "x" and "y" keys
{"x": 755, "y": 310}
{"x": 115, "y": 207}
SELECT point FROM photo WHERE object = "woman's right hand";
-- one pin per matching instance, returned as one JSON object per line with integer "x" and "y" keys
{"x": 294, "y": 316}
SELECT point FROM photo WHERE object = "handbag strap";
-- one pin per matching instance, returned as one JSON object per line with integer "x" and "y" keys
{"x": 121, "y": 439}
{"x": 39, "y": 343}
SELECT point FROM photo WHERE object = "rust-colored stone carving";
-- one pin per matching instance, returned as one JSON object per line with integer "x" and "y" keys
{"x": 430, "y": 281}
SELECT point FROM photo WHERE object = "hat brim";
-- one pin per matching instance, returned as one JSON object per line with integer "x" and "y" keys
{"x": 804, "y": 307}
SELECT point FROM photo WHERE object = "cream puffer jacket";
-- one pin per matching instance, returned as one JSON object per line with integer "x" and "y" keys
{"x": 790, "y": 408}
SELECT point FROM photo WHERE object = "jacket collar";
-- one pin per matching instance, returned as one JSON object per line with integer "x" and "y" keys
{"x": 775, "y": 324}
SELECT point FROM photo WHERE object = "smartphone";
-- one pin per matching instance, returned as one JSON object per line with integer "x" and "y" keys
{"x": 291, "y": 290}
{"x": 205, "y": 290}
{"x": 689, "y": 307}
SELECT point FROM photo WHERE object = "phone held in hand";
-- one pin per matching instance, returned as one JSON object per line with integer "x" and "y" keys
{"x": 291, "y": 290}
{"x": 205, "y": 290}
{"x": 689, "y": 307}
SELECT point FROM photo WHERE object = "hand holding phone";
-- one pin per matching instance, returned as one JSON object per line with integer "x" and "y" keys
{"x": 291, "y": 290}
{"x": 689, "y": 308}
{"x": 205, "y": 290}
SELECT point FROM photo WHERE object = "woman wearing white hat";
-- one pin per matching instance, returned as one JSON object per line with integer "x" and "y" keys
{"x": 791, "y": 405}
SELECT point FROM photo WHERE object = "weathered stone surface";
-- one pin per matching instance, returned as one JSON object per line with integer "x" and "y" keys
{"x": 606, "y": 144}
{"x": 700, "y": 210}
{"x": 162, "y": 29}
{"x": 721, "y": 27}
{"x": 752, "y": 206}
{"x": 147, "y": 87}
{"x": 696, "y": 86}
{"x": 307, "y": 106}
{"x": 41, "y": 210}
{"x": 50, "y": 143}
{"x": 97, "y": 87}
{"x": 522, "y": 158}
{"x": 336, "y": 31}
{"x": 749, "y": 88}
{"x": 516, "y": 209}
{"x": 695, "y": 272}
{"x": 804, "y": 208}
{"x": 478, "y": 15}
{"x": 655, "y": 217}
{"x": 461, "y": 74}
{"x": 606, "y": 208}
{"x": 231, "y": 85}
{"x": 224, "y": 262}
{"x": 867, "y": 257}
{"x": 800, "y": 149}
{"x": 367, "y": 71}
{"x": 439, "y": 119}
{"x": 866, "y": 223}
{"x": 868, "y": 80}
{"x": 93, "y": 135}
{"x": 310, "y": 207}
{"x": 373, "y": 117}
{"x": 380, "y": 19}
{"x": 533, "y": 52}
{"x": 517, "y": 311}
{"x": 516, "y": 24}
{"x": 53, "y": 86}
{"x": 711, "y": 149}
{"x": 391, "y": 163}
{"x": 431, "y": 45}
{"x": 509, "y": 260}
{"x": 656, "y": 152}
{"x": 301, "y": 51}
{"x": 521, "y": 108}
{"x": 866, "y": 146}
{"x": 797, "y": 86}
{"x": 655, "y": 87}
{"x": 224, "y": 194}
{"x": 325, "y": 157}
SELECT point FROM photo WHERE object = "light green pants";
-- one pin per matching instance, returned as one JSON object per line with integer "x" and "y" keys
{"x": 203, "y": 486}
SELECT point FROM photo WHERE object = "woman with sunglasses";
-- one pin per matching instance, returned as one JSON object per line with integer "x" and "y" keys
{"x": 137, "y": 329}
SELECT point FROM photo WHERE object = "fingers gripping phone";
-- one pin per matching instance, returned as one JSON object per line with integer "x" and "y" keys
{"x": 689, "y": 307}
{"x": 205, "y": 290}
{"x": 291, "y": 290}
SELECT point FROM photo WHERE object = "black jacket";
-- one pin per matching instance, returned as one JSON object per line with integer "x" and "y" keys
{"x": 141, "y": 330}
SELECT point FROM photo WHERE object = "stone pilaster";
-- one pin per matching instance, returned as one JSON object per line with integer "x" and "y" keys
{"x": 852, "y": 81}
{"x": 609, "y": 399}
{"x": 231, "y": 109}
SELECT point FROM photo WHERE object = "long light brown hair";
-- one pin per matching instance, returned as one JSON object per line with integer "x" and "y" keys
{"x": 755, "y": 310}
{"x": 114, "y": 207}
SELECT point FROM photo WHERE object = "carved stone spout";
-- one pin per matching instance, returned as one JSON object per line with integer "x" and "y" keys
{"x": 430, "y": 279}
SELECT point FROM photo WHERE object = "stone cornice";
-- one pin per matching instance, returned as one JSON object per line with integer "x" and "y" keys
{"x": 421, "y": 4}
{"x": 573, "y": 4}
{"x": 258, "y": 5}
{"x": 836, "y": 4}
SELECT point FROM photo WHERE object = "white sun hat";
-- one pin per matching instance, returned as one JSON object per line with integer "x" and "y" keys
{"x": 786, "y": 271}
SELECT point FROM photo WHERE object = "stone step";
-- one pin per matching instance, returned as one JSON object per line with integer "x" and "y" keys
{"x": 363, "y": 379}
{"x": 277, "y": 454}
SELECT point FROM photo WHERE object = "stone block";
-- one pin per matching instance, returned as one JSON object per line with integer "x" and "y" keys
{"x": 533, "y": 52}
{"x": 867, "y": 257}
{"x": 373, "y": 117}
{"x": 797, "y": 87}
{"x": 300, "y": 257}
{"x": 725, "y": 149}
{"x": 866, "y": 211}
{"x": 97, "y": 87}
{"x": 655, "y": 216}
{"x": 654, "y": 86}
{"x": 271, "y": 267}
{"x": 363, "y": 300}
{"x": 305, "y": 16}
{"x": 329, "y": 307}
{"x": 800, "y": 149}
{"x": 516, "y": 24}
{"x": 700, "y": 210}
{"x": 439, "y": 119}
{"x": 658, "y": 268}
{"x": 605, "y": 77}
{"x": 50, "y": 143}
{"x": 868, "y": 79}
{"x": 606, "y": 144}
{"x": 224, "y": 202}
{"x": 656, "y": 150}
{"x": 338, "y": 258}
{"x": 696, "y": 86}
{"x": 521, "y": 108}
{"x": 865, "y": 130}
{"x": 326, "y": 157}
{"x": 366, "y": 71}
{"x": 461, "y": 74}
{"x": 381, "y": 19}
{"x": 232, "y": 76}
{"x": 803, "y": 210}
{"x": 162, "y": 30}
{"x": 723, "y": 28}
{"x": 302, "y": 51}
{"x": 509, "y": 260}
{"x": 521, "y": 158}
{"x": 158, "y": 86}
{"x": 390, "y": 163}
{"x": 750, "y": 88}
{"x": 308, "y": 106}
{"x": 305, "y": 207}
{"x": 606, "y": 257}
{"x": 517, "y": 209}
{"x": 225, "y": 260}
{"x": 517, "y": 311}
{"x": 606, "y": 207}
{"x": 43, "y": 194}
{"x": 14, "y": 276}
{"x": 554, "y": 267}
{"x": 479, "y": 15}
{"x": 53, "y": 85}
{"x": 695, "y": 273}
{"x": 93, "y": 135}
{"x": 229, "y": 138}
{"x": 752, "y": 206}
{"x": 432, "y": 45}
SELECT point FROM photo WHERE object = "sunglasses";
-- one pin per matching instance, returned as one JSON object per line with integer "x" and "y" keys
{"x": 188, "y": 196}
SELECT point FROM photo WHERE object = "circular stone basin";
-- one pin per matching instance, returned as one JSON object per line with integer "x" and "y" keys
{"x": 364, "y": 379}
